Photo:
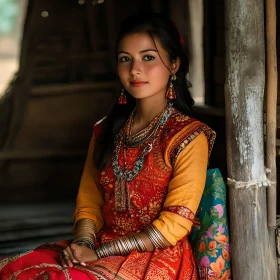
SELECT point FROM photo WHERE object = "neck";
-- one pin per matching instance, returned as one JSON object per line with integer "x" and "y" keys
{"x": 145, "y": 112}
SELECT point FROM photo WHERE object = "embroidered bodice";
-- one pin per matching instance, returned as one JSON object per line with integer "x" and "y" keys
{"x": 134, "y": 202}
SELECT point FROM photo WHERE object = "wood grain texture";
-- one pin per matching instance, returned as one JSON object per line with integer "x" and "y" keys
{"x": 253, "y": 256}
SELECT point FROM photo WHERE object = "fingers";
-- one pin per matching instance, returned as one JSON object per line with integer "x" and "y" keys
{"x": 71, "y": 259}
{"x": 61, "y": 258}
{"x": 67, "y": 258}
{"x": 76, "y": 255}
{"x": 76, "y": 252}
{"x": 72, "y": 255}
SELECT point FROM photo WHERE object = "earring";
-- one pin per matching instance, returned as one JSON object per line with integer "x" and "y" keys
{"x": 122, "y": 98}
{"x": 171, "y": 94}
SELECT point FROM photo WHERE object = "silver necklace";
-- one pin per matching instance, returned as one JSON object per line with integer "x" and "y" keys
{"x": 122, "y": 198}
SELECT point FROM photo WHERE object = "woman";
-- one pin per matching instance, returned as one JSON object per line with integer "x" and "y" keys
{"x": 144, "y": 174}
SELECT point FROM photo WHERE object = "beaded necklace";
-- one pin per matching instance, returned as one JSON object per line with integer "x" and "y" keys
{"x": 122, "y": 198}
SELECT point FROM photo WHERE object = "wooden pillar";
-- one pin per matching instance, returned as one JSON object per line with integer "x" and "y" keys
{"x": 195, "y": 43}
{"x": 271, "y": 107}
{"x": 252, "y": 255}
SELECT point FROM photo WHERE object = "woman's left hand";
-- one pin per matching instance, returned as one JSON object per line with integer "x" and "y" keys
{"x": 76, "y": 254}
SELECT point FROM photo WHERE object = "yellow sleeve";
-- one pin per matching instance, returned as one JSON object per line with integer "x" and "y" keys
{"x": 89, "y": 201}
{"x": 185, "y": 189}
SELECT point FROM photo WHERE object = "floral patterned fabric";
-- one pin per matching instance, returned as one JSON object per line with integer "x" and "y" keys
{"x": 209, "y": 236}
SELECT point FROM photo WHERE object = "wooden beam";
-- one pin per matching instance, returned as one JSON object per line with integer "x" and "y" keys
{"x": 271, "y": 108}
{"x": 252, "y": 257}
{"x": 61, "y": 89}
{"x": 41, "y": 155}
{"x": 195, "y": 41}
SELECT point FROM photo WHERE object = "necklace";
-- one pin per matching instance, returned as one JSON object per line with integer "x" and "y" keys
{"x": 122, "y": 197}
{"x": 141, "y": 137}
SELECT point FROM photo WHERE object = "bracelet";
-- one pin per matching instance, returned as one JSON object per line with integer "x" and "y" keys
{"x": 121, "y": 246}
{"x": 84, "y": 231}
{"x": 85, "y": 241}
{"x": 156, "y": 237}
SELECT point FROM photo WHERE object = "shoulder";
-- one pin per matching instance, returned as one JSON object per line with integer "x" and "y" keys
{"x": 180, "y": 126}
{"x": 181, "y": 130}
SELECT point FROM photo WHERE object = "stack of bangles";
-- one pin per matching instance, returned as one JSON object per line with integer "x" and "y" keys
{"x": 124, "y": 245}
{"x": 121, "y": 246}
{"x": 156, "y": 237}
{"x": 85, "y": 233}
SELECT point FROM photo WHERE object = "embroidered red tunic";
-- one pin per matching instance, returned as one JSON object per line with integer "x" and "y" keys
{"x": 166, "y": 192}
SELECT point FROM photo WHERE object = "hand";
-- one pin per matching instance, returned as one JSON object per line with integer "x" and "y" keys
{"x": 76, "y": 254}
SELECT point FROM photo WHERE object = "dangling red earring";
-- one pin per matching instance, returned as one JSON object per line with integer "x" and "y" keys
{"x": 171, "y": 93}
{"x": 122, "y": 98}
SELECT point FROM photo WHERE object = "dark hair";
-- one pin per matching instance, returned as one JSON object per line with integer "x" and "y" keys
{"x": 163, "y": 29}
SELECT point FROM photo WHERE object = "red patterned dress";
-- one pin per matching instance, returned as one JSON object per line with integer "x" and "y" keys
{"x": 165, "y": 192}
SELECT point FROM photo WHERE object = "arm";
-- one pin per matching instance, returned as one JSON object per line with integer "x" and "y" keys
{"x": 184, "y": 191}
{"x": 87, "y": 217}
{"x": 88, "y": 214}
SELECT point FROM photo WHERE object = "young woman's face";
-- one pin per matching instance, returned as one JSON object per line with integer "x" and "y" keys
{"x": 141, "y": 68}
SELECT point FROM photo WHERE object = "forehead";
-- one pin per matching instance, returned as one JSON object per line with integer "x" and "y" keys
{"x": 138, "y": 42}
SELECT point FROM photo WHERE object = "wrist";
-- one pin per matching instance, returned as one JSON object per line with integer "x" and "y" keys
{"x": 84, "y": 231}
{"x": 155, "y": 236}
{"x": 121, "y": 246}
{"x": 85, "y": 242}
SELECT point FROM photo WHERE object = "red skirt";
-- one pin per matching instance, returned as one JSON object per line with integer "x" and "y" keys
{"x": 42, "y": 263}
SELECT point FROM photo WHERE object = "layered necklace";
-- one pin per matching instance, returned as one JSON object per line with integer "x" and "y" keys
{"x": 145, "y": 139}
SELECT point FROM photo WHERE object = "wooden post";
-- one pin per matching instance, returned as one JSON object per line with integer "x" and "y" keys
{"x": 271, "y": 108}
{"x": 252, "y": 256}
{"x": 271, "y": 116}
{"x": 195, "y": 43}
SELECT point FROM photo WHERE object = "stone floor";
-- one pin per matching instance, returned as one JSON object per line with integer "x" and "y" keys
{"x": 25, "y": 226}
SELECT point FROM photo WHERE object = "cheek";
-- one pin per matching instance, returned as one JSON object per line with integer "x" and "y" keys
{"x": 158, "y": 72}
{"x": 122, "y": 71}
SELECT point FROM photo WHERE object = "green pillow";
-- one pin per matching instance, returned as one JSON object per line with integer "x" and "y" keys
{"x": 210, "y": 234}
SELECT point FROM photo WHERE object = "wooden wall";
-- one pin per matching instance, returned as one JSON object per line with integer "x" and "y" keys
{"x": 67, "y": 81}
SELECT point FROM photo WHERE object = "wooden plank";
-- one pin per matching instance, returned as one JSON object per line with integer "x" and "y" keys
{"x": 60, "y": 89}
{"x": 41, "y": 154}
{"x": 65, "y": 57}
{"x": 195, "y": 45}
{"x": 271, "y": 114}
{"x": 26, "y": 226}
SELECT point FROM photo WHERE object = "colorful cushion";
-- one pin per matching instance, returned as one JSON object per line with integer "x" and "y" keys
{"x": 209, "y": 235}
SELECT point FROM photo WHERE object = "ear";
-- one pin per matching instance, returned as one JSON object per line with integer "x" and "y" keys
{"x": 175, "y": 65}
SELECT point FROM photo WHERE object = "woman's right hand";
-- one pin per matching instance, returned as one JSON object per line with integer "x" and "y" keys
{"x": 76, "y": 254}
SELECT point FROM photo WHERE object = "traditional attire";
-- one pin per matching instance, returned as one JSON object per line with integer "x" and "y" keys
{"x": 156, "y": 177}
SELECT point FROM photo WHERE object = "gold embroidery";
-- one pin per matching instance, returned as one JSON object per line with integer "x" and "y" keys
{"x": 97, "y": 274}
{"x": 167, "y": 265}
{"x": 43, "y": 265}
{"x": 42, "y": 272}
{"x": 5, "y": 261}
{"x": 66, "y": 273}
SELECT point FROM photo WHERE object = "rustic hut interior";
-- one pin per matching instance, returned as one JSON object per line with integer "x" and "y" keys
{"x": 63, "y": 81}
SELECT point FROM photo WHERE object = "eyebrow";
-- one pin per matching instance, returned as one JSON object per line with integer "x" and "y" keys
{"x": 148, "y": 50}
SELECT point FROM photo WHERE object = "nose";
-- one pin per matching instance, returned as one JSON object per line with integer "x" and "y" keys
{"x": 135, "y": 67}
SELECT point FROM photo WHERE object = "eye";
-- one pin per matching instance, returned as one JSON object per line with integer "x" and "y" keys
{"x": 148, "y": 57}
{"x": 124, "y": 59}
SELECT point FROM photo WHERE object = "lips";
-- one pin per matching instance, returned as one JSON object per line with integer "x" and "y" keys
{"x": 138, "y": 83}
